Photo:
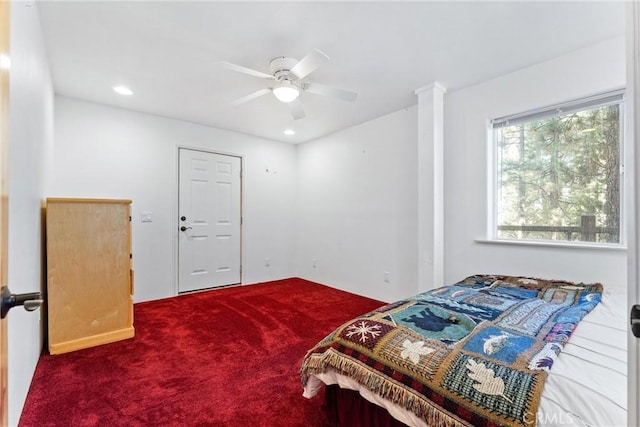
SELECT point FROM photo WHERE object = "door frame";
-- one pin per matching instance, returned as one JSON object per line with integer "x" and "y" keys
{"x": 176, "y": 209}
{"x": 633, "y": 270}
{"x": 5, "y": 23}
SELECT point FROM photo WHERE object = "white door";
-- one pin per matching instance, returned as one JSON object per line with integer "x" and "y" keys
{"x": 633, "y": 87}
{"x": 209, "y": 220}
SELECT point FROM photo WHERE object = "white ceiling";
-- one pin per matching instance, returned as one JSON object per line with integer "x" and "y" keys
{"x": 167, "y": 53}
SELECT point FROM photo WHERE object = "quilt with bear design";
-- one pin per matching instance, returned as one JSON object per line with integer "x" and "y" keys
{"x": 473, "y": 353}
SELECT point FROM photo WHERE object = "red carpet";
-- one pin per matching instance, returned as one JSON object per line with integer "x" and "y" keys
{"x": 227, "y": 357}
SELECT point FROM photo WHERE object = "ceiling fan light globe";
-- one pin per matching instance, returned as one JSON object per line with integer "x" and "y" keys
{"x": 286, "y": 93}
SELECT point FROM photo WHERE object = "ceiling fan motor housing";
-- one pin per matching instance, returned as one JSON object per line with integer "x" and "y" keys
{"x": 281, "y": 66}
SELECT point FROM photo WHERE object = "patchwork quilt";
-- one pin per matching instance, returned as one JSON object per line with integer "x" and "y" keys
{"x": 473, "y": 353}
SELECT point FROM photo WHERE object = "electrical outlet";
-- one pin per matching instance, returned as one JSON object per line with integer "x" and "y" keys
{"x": 314, "y": 262}
{"x": 267, "y": 262}
{"x": 386, "y": 277}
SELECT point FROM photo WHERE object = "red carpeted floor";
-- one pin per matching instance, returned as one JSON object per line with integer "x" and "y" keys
{"x": 226, "y": 357}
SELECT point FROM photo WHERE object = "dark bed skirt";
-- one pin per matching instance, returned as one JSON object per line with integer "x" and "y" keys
{"x": 346, "y": 408}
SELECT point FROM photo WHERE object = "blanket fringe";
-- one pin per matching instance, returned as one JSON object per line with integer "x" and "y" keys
{"x": 421, "y": 407}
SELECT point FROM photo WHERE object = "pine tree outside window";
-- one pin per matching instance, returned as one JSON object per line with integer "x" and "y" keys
{"x": 559, "y": 172}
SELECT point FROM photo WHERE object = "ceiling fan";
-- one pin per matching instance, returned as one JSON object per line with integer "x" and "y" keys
{"x": 289, "y": 81}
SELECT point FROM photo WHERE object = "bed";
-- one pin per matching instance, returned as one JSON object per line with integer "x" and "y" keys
{"x": 485, "y": 351}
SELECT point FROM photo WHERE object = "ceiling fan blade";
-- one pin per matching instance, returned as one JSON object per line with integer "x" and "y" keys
{"x": 296, "y": 109}
{"x": 251, "y": 96}
{"x": 318, "y": 89}
{"x": 245, "y": 70}
{"x": 309, "y": 63}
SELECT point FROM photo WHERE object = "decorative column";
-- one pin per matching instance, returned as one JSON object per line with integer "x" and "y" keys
{"x": 430, "y": 186}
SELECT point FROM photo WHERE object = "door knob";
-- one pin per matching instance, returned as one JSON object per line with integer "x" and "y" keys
{"x": 30, "y": 301}
{"x": 183, "y": 228}
{"x": 635, "y": 320}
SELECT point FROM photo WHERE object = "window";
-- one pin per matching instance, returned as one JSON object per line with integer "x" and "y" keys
{"x": 558, "y": 172}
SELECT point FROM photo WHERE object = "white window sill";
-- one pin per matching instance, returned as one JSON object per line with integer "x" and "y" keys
{"x": 549, "y": 244}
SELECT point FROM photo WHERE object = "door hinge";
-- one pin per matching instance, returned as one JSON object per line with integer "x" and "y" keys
{"x": 129, "y": 218}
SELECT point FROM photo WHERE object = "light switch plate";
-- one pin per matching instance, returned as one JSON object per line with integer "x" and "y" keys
{"x": 146, "y": 217}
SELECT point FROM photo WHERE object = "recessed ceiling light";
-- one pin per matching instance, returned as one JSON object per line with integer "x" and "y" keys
{"x": 289, "y": 132}
{"x": 123, "y": 90}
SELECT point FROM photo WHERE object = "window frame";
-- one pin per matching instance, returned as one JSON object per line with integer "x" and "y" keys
{"x": 614, "y": 97}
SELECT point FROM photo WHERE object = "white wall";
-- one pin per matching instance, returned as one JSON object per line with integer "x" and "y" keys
{"x": 357, "y": 207}
{"x": 357, "y": 189}
{"x": 585, "y": 72}
{"x": 106, "y": 152}
{"x": 31, "y": 138}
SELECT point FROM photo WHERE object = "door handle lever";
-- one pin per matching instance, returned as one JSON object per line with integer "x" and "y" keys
{"x": 635, "y": 320}
{"x": 183, "y": 228}
{"x": 30, "y": 301}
